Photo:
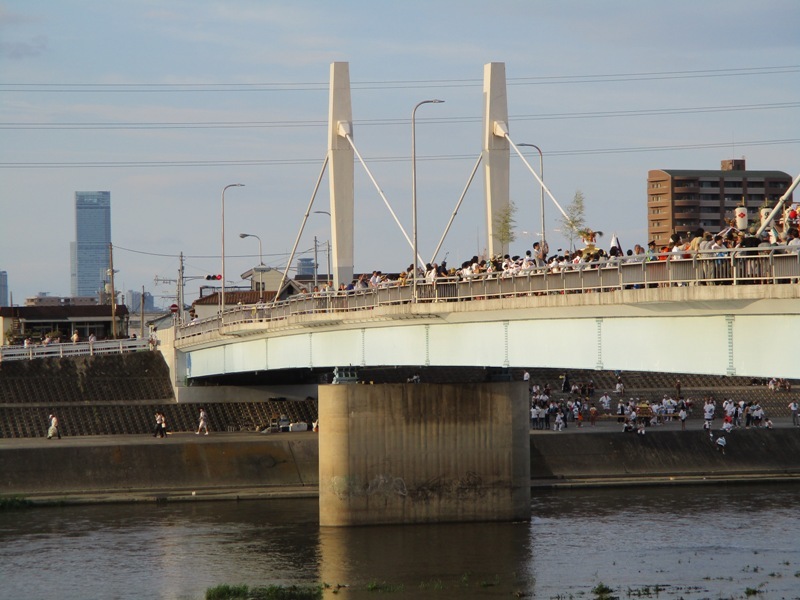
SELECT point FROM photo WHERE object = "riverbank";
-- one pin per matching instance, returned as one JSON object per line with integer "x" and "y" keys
{"x": 243, "y": 466}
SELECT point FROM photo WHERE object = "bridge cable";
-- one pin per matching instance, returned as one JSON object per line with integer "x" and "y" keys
{"x": 302, "y": 226}
{"x": 349, "y": 138}
{"x": 458, "y": 205}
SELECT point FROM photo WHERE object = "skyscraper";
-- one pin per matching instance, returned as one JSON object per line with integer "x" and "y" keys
{"x": 3, "y": 288}
{"x": 89, "y": 253}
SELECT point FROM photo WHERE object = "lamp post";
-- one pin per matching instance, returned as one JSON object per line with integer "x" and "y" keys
{"x": 414, "y": 190}
{"x": 541, "y": 189}
{"x": 260, "y": 254}
{"x": 260, "y": 261}
{"x": 222, "y": 297}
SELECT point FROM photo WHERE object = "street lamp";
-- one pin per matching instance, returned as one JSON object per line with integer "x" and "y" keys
{"x": 414, "y": 189}
{"x": 541, "y": 190}
{"x": 222, "y": 297}
{"x": 260, "y": 263}
{"x": 260, "y": 254}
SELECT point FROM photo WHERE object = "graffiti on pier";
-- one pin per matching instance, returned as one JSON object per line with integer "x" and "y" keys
{"x": 386, "y": 486}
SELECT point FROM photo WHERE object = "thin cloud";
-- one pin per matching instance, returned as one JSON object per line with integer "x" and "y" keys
{"x": 32, "y": 48}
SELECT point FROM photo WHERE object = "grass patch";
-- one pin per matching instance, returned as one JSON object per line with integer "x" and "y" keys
{"x": 270, "y": 592}
{"x": 602, "y": 592}
{"x": 382, "y": 586}
{"x": 751, "y": 592}
{"x": 12, "y": 502}
{"x": 435, "y": 584}
{"x": 227, "y": 592}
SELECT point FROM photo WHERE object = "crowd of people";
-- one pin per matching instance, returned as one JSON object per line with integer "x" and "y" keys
{"x": 679, "y": 247}
{"x": 579, "y": 407}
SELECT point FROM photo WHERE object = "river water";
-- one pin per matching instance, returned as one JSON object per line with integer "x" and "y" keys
{"x": 666, "y": 542}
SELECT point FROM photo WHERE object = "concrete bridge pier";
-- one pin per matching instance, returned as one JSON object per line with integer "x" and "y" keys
{"x": 423, "y": 453}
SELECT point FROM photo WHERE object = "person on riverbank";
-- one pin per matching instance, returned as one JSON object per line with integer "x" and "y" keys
{"x": 794, "y": 406}
{"x": 52, "y": 429}
{"x": 203, "y": 425}
{"x": 559, "y": 424}
{"x": 708, "y": 413}
{"x": 160, "y": 429}
{"x": 682, "y": 416}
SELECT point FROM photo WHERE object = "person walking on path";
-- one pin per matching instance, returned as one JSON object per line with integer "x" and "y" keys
{"x": 160, "y": 430}
{"x": 682, "y": 417}
{"x": 203, "y": 425}
{"x": 52, "y": 429}
{"x": 793, "y": 406}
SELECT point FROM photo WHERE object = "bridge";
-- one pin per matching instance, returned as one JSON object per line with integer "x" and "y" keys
{"x": 717, "y": 313}
{"x": 411, "y": 453}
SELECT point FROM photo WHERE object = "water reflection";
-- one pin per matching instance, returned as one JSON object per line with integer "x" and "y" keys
{"x": 437, "y": 561}
{"x": 700, "y": 542}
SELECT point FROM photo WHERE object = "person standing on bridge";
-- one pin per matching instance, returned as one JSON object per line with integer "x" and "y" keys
{"x": 203, "y": 425}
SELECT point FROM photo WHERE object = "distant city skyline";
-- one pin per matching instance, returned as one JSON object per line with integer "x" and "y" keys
{"x": 90, "y": 250}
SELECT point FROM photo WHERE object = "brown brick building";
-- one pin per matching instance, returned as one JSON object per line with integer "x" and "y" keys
{"x": 681, "y": 201}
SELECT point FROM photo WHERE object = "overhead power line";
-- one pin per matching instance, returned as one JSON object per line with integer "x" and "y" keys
{"x": 290, "y": 124}
{"x": 149, "y": 87}
{"x": 384, "y": 159}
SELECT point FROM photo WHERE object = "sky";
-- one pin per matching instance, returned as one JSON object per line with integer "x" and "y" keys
{"x": 165, "y": 103}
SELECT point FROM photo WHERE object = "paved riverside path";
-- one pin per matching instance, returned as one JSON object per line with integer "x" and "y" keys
{"x": 605, "y": 424}
{"x": 608, "y": 423}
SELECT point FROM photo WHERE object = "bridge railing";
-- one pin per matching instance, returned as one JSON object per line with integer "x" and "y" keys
{"x": 60, "y": 350}
{"x": 762, "y": 266}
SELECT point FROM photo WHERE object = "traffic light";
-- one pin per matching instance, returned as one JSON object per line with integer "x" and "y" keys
{"x": 213, "y": 277}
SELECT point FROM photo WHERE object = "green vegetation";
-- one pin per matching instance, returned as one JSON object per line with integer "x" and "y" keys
{"x": 271, "y": 592}
{"x": 10, "y": 502}
{"x": 645, "y": 592}
{"x": 603, "y": 592}
{"x": 504, "y": 226}
{"x": 751, "y": 592}
{"x": 436, "y": 584}
{"x": 375, "y": 586}
{"x": 575, "y": 221}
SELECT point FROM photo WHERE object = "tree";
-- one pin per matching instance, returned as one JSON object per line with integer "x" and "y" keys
{"x": 504, "y": 226}
{"x": 575, "y": 221}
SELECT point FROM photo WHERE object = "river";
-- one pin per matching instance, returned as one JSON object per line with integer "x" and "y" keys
{"x": 726, "y": 541}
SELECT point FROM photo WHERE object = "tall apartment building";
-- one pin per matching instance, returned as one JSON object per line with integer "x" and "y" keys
{"x": 89, "y": 253}
{"x": 682, "y": 201}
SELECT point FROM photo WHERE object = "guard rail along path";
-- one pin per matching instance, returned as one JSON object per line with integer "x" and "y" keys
{"x": 62, "y": 349}
{"x": 772, "y": 265}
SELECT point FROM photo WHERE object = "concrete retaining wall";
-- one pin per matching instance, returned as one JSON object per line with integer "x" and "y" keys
{"x": 106, "y": 467}
{"x": 101, "y": 468}
{"x": 664, "y": 454}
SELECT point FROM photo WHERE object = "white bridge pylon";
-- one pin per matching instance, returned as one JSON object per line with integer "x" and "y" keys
{"x": 342, "y": 152}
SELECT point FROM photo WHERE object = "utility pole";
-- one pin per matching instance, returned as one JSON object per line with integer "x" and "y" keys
{"x": 141, "y": 318}
{"x": 113, "y": 293}
{"x": 316, "y": 263}
{"x": 181, "y": 283}
{"x": 330, "y": 278}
